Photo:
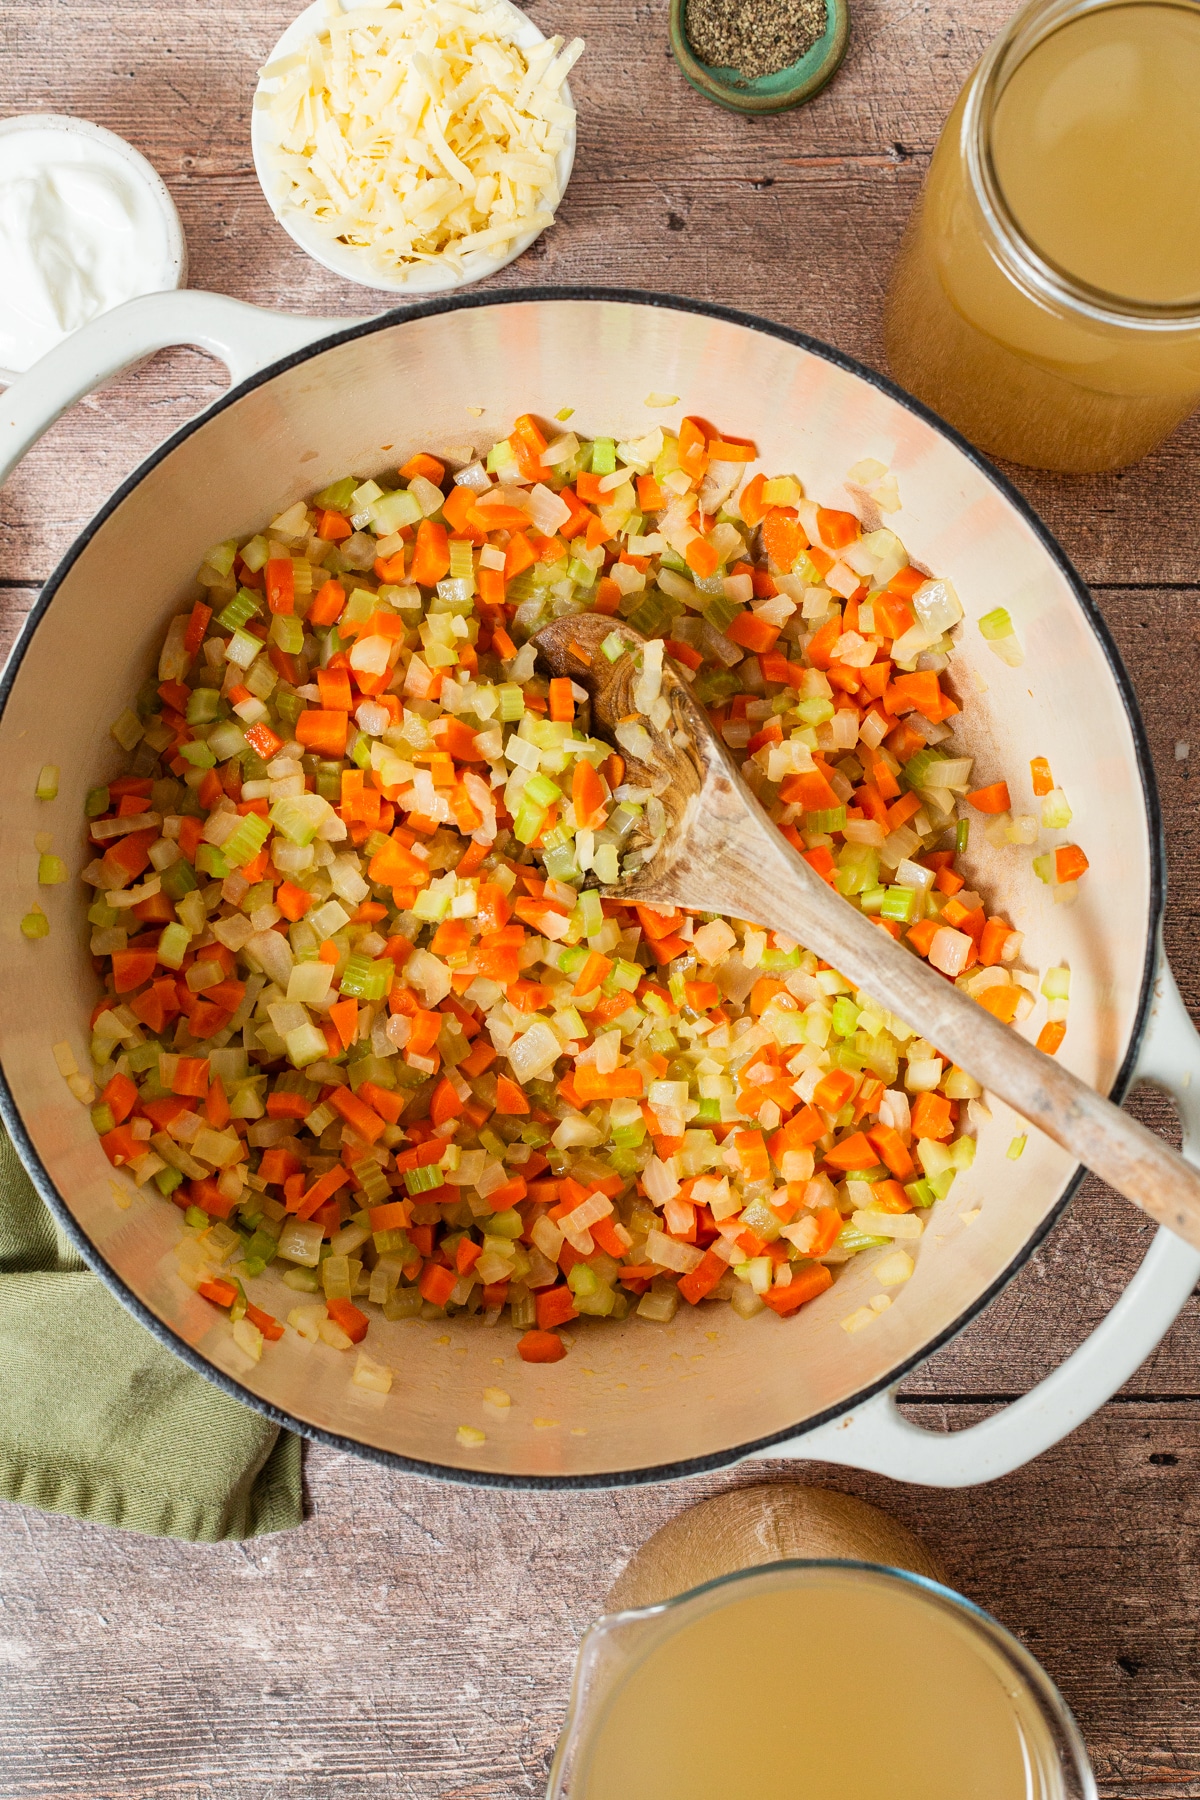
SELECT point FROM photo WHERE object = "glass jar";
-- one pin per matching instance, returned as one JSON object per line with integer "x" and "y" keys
{"x": 1027, "y": 360}
{"x": 826, "y": 1677}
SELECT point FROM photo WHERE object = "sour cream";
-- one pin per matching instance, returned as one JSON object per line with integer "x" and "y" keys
{"x": 85, "y": 223}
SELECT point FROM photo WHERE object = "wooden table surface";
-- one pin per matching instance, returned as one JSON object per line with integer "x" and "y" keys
{"x": 415, "y": 1639}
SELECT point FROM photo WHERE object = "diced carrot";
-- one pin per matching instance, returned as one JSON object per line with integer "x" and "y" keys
{"x": 270, "y": 1327}
{"x": 783, "y": 536}
{"x": 131, "y": 968}
{"x": 334, "y": 526}
{"x": 541, "y": 1347}
{"x": 1001, "y": 1001}
{"x": 509, "y": 1097}
{"x": 833, "y": 1090}
{"x": 361, "y": 1118}
{"x": 808, "y": 1280}
{"x": 837, "y": 529}
{"x": 854, "y": 1152}
{"x": 354, "y": 1323}
{"x": 219, "y": 1291}
{"x": 1051, "y": 1036}
{"x": 324, "y": 732}
{"x": 995, "y": 935}
{"x": 281, "y": 585}
{"x": 931, "y": 1116}
{"x": 431, "y": 556}
{"x": 993, "y": 799}
{"x": 693, "y": 447}
{"x": 329, "y": 604}
{"x": 1069, "y": 864}
{"x": 562, "y": 700}
{"x": 292, "y": 901}
{"x": 437, "y": 1283}
{"x": 428, "y": 466}
{"x": 810, "y": 790}
{"x": 702, "y": 1279}
{"x": 892, "y": 1151}
{"x": 1043, "y": 780}
{"x": 752, "y": 632}
{"x": 820, "y": 645}
{"x": 554, "y": 1307}
{"x": 701, "y": 558}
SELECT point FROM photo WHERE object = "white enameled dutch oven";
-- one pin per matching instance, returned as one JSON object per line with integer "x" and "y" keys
{"x": 313, "y": 399}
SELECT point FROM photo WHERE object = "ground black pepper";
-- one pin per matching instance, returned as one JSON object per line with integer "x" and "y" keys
{"x": 755, "y": 37}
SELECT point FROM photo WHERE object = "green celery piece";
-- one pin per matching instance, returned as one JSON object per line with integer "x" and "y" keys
{"x": 178, "y": 879}
{"x": 996, "y": 624}
{"x": 210, "y": 862}
{"x": 204, "y": 706}
{"x": 245, "y": 843}
{"x": 243, "y": 606}
{"x": 424, "y": 1179}
{"x": 337, "y": 497}
{"x": 604, "y": 456}
{"x": 96, "y": 803}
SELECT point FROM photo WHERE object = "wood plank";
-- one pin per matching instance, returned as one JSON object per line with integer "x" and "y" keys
{"x": 795, "y": 218}
{"x": 416, "y": 1639}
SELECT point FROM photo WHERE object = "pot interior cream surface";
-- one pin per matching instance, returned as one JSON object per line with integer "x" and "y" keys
{"x": 637, "y": 1395}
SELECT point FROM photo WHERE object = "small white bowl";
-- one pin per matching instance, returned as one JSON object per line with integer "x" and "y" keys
{"x": 423, "y": 278}
{"x": 173, "y": 273}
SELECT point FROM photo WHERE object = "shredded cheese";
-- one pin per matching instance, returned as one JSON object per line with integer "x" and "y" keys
{"x": 419, "y": 131}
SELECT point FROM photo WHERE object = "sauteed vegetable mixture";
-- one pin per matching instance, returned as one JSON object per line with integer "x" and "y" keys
{"x": 367, "y": 1017}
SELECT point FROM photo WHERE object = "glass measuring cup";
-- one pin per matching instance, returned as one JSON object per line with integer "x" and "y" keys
{"x": 862, "y": 1680}
{"x": 1030, "y": 359}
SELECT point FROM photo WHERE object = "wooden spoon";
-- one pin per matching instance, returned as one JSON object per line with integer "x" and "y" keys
{"x": 722, "y": 854}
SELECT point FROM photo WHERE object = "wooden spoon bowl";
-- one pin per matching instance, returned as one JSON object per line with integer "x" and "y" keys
{"x": 720, "y": 853}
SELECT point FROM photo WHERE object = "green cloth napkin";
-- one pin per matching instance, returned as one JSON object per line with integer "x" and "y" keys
{"x": 98, "y": 1420}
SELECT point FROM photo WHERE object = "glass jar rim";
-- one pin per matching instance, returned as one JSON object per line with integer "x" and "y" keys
{"x": 1043, "y": 279}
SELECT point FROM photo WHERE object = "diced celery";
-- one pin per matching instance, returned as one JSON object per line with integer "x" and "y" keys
{"x": 127, "y": 729}
{"x": 242, "y": 607}
{"x": 833, "y": 818}
{"x": 720, "y": 613}
{"x": 178, "y": 879}
{"x": 424, "y": 1179}
{"x": 604, "y": 456}
{"x": 1056, "y": 984}
{"x": 96, "y": 803}
{"x": 167, "y": 1180}
{"x": 512, "y": 702}
{"x": 198, "y": 754}
{"x": 365, "y": 979}
{"x": 173, "y": 944}
{"x": 245, "y": 843}
{"x": 210, "y": 862}
{"x": 47, "y": 783}
{"x": 1016, "y": 1148}
{"x": 337, "y": 497}
{"x": 528, "y": 822}
{"x": 204, "y": 706}
{"x": 51, "y": 871}
{"x": 815, "y": 711}
{"x": 962, "y": 836}
{"x": 613, "y": 646}
{"x": 35, "y": 924}
{"x": 102, "y": 1118}
{"x": 900, "y": 903}
{"x": 541, "y": 792}
{"x": 287, "y": 631}
{"x": 996, "y": 624}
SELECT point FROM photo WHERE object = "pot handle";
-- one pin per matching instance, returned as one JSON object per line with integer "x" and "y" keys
{"x": 245, "y": 338}
{"x": 876, "y": 1436}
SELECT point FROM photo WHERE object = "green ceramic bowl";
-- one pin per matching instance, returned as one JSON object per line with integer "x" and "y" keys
{"x": 766, "y": 93}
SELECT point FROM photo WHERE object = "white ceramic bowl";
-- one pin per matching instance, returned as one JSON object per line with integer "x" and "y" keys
{"x": 355, "y": 265}
{"x": 79, "y": 133}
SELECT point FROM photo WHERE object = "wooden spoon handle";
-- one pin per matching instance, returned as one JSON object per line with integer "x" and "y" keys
{"x": 737, "y": 863}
